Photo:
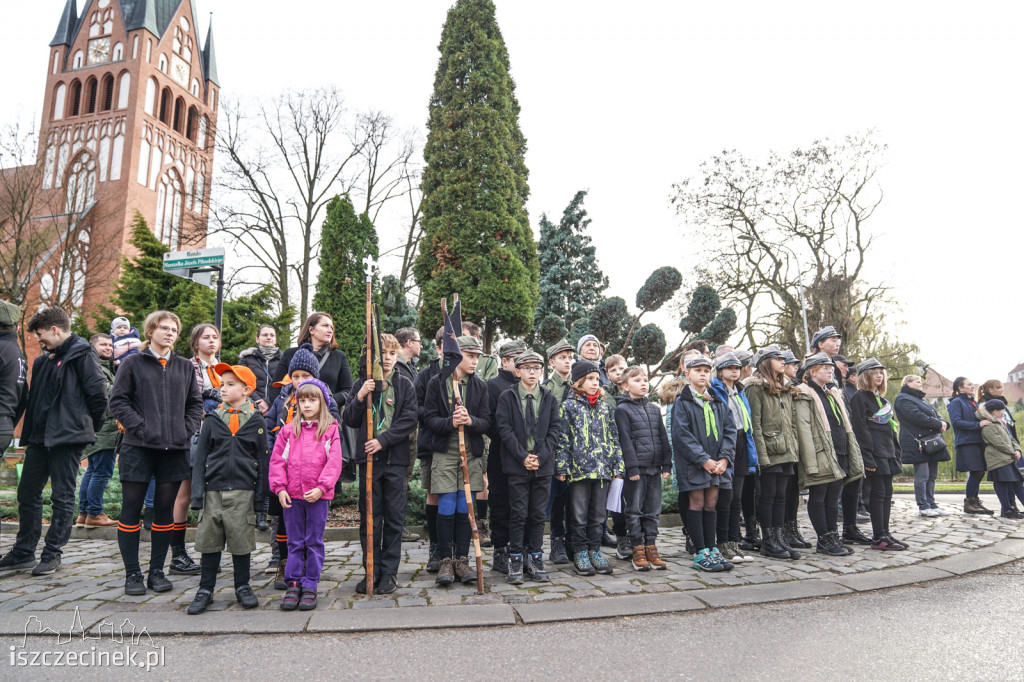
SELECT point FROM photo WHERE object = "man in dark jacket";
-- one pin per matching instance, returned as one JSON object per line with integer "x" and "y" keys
{"x": 497, "y": 502}
{"x": 101, "y": 453}
{"x": 425, "y": 455}
{"x": 13, "y": 373}
{"x": 66, "y": 403}
{"x": 394, "y": 419}
{"x": 409, "y": 346}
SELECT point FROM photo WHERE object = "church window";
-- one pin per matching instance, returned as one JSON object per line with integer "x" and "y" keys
{"x": 59, "y": 95}
{"x": 91, "y": 87}
{"x": 118, "y": 52}
{"x": 150, "y": 96}
{"x": 76, "y": 63}
{"x": 165, "y": 106}
{"x": 169, "y": 205}
{"x": 179, "y": 116}
{"x": 76, "y": 97}
{"x": 81, "y": 184}
{"x": 163, "y": 63}
{"x": 108, "y": 92}
{"x": 123, "y": 91}
{"x": 193, "y": 123}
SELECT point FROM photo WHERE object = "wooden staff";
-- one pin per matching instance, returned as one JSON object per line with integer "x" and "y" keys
{"x": 465, "y": 481}
{"x": 369, "y": 435}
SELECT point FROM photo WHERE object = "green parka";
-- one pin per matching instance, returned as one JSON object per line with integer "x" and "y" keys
{"x": 999, "y": 449}
{"x": 818, "y": 461}
{"x": 772, "y": 419}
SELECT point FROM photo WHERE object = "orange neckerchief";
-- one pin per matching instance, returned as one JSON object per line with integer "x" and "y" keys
{"x": 214, "y": 378}
{"x": 233, "y": 424}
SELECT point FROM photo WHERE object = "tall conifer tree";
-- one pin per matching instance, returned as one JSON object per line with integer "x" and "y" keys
{"x": 477, "y": 238}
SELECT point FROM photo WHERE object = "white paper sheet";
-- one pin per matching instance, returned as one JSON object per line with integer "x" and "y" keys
{"x": 615, "y": 496}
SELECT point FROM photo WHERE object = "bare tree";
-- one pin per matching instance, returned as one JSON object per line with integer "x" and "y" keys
{"x": 754, "y": 217}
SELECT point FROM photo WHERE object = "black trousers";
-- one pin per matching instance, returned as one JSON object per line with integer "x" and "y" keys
{"x": 729, "y": 509}
{"x": 587, "y": 511}
{"x": 772, "y": 505}
{"x": 498, "y": 500}
{"x": 389, "y": 501}
{"x": 880, "y": 502}
{"x": 558, "y": 509}
{"x": 823, "y": 506}
{"x": 59, "y": 465}
{"x": 643, "y": 508}
{"x": 527, "y": 502}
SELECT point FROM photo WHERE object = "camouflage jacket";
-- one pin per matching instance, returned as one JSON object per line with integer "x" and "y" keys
{"x": 589, "y": 445}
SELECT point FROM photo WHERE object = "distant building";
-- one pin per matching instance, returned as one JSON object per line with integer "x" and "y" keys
{"x": 1016, "y": 374}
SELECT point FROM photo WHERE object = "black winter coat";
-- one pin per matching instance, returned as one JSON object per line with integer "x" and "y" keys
{"x": 692, "y": 446}
{"x": 394, "y": 441}
{"x": 335, "y": 373}
{"x": 642, "y": 436}
{"x": 877, "y": 441}
{"x": 511, "y": 428}
{"x": 13, "y": 381}
{"x": 495, "y": 387}
{"x": 159, "y": 407}
{"x": 222, "y": 461}
{"x": 407, "y": 370}
{"x": 422, "y": 379}
{"x": 437, "y": 418}
{"x": 917, "y": 419}
{"x": 263, "y": 369}
{"x": 79, "y": 392}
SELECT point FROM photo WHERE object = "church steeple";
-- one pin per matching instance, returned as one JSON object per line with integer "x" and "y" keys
{"x": 68, "y": 24}
{"x": 210, "y": 57}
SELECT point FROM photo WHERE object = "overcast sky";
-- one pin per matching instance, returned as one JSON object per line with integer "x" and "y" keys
{"x": 624, "y": 99}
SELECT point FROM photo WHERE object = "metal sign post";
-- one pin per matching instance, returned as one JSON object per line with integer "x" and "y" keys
{"x": 199, "y": 265}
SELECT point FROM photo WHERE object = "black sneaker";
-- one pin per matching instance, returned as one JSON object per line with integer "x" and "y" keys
{"x": 361, "y": 585}
{"x": 607, "y": 540}
{"x": 47, "y": 566}
{"x": 182, "y": 564}
{"x": 499, "y": 562}
{"x": 202, "y": 599}
{"x": 157, "y": 582}
{"x": 557, "y": 554}
{"x": 246, "y": 597}
{"x": 388, "y": 584}
{"x": 623, "y": 548}
{"x": 10, "y": 562}
{"x": 261, "y": 521}
{"x": 135, "y": 584}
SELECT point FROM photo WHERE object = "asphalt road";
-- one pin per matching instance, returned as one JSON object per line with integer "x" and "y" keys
{"x": 959, "y": 629}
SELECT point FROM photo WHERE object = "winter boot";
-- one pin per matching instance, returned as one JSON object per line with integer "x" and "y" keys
{"x": 433, "y": 560}
{"x": 640, "y": 562}
{"x": 465, "y": 573}
{"x": 654, "y": 558}
{"x": 261, "y": 521}
{"x": 782, "y": 541}
{"x": 483, "y": 527}
{"x": 182, "y": 564}
{"x": 826, "y": 545}
{"x": 853, "y": 536}
{"x": 607, "y": 540}
{"x": 582, "y": 564}
{"x": 793, "y": 537}
{"x": 445, "y": 572}
{"x": 514, "y": 569}
{"x": 557, "y": 554}
{"x": 752, "y": 539}
{"x": 499, "y": 561}
{"x": 275, "y": 557}
{"x": 533, "y": 566}
{"x": 770, "y": 545}
{"x": 279, "y": 582}
{"x": 980, "y": 507}
{"x": 622, "y": 548}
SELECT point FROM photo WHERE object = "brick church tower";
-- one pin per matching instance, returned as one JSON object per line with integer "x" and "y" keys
{"x": 128, "y": 122}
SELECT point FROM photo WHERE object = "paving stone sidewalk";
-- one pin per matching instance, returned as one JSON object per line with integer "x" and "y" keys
{"x": 92, "y": 577}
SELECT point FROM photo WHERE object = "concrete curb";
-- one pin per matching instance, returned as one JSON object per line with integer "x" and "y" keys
{"x": 104, "y": 622}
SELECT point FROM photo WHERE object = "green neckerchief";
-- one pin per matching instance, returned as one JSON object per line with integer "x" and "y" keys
{"x": 743, "y": 411}
{"x": 384, "y": 408}
{"x": 892, "y": 419}
{"x": 709, "y": 416}
{"x": 835, "y": 408}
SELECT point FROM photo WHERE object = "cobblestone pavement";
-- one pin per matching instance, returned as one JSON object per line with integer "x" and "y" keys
{"x": 92, "y": 576}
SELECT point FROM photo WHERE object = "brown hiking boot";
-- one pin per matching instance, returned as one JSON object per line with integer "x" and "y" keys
{"x": 640, "y": 562}
{"x": 446, "y": 572}
{"x": 972, "y": 505}
{"x": 653, "y": 558}
{"x": 99, "y": 521}
{"x": 80, "y": 521}
{"x": 983, "y": 508}
{"x": 279, "y": 582}
{"x": 463, "y": 571}
{"x": 483, "y": 527}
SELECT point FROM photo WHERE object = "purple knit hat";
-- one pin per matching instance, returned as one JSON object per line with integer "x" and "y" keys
{"x": 319, "y": 384}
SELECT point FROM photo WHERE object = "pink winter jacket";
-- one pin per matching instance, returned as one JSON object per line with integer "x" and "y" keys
{"x": 301, "y": 463}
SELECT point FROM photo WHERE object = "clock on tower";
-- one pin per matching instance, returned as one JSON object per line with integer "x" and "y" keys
{"x": 99, "y": 50}
{"x": 180, "y": 71}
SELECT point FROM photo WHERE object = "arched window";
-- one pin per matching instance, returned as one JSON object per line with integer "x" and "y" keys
{"x": 193, "y": 124}
{"x": 195, "y": 88}
{"x": 76, "y": 63}
{"x": 162, "y": 64}
{"x": 169, "y": 197}
{"x": 108, "y": 92}
{"x": 76, "y": 97}
{"x": 59, "y": 102}
{"x": 165, "y": 106}
{"x": 150, "y": 96}
{"x": 179, "y": 116}
{"x": 204, "y": 125}
{"x": 81, "y": 183}
{"x": 118, "y": 52}
{"x": 123, "y": 90}
{"x": 91, "y": 87}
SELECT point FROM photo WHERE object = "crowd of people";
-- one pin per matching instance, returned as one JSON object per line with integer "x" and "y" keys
{"x": 269, "y": 440}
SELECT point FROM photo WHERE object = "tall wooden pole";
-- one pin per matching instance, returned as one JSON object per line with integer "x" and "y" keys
{"x": 369, "y": 432}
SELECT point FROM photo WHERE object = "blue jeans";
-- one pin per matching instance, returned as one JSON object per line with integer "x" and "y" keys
{"x": 94, "y": 482}
{"x": 150, "y": 493}
{"x": 924, "y": 484}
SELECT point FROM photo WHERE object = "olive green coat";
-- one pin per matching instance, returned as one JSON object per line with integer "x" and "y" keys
{"x": 772, "y": 419}
{"x": 999, "y": 449}
{"x": 818, "y": 461}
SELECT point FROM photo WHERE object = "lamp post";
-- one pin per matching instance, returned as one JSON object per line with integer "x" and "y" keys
{"x": 799, "y": 281}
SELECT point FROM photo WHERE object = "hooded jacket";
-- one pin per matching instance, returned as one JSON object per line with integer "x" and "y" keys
{"x": 395, "y": 440}
{"x": 877, "y": 441}
{"x": 511, "y": 427}
{"x": 695, "y": 442}
{"x": 71, "y": 376}
{"x": 743, "y": 436}
{"x": 588, "y": 447}
{"x": 263, "y": 368}
{"x": 303, "y": 462}
{"x": 642, "y": 435}
{"x": 13, "y": 381}
{"x": 818, "y": 463}
{"x": 1000, "y": 449}
{"x": 159, "y": 407}
{"x": 225, "y": 461}
{"x": 917, "y": 419}
{"x": 772, "y": 420}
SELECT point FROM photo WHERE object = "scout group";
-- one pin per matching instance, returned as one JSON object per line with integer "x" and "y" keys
{"x": 741, "y": 435}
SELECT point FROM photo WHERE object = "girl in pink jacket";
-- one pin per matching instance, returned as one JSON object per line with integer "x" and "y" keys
{"x": 304, "y": 467}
